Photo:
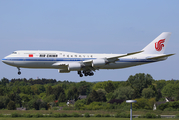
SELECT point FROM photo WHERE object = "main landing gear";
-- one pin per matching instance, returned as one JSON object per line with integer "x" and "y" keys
{"x": 86, "y": 73}
{"x": 19, "y": 72}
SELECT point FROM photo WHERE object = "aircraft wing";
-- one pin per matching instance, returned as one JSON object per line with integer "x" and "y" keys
{"x": 112, "y": 59}
{"x": 115, "y": 58}
{"x": 162, "y": 56}
{"x": 88, "y": 63}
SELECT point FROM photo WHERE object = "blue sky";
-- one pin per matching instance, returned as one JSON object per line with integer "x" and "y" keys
{"x": 93, "y": 26}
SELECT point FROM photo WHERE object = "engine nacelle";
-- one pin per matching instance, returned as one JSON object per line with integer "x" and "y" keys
{"x": 63, "y": 71}
{"x": 74, "y": 66}
{"x": 99, "y": 62}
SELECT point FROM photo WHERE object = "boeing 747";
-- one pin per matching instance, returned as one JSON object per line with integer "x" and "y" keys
{"x": 86, "y": 63}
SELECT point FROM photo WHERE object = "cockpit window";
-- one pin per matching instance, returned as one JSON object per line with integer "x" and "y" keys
{"x": 14, "y": 53}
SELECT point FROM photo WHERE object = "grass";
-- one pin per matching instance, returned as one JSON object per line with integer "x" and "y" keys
{"x": 57, "y": 111}
{"x": 81, "y": 118}
{"x": 138, "y": 112}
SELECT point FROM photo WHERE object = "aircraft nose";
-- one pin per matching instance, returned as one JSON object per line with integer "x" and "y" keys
{"x": 4, "y": 60}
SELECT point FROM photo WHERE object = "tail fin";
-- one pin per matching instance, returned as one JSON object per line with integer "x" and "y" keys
{"x": 158, "y": 45}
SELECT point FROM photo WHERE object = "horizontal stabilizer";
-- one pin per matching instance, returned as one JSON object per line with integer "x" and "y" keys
{"x": 162, "y": 56}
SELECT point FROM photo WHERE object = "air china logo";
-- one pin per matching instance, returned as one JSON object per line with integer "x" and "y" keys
{"x": 159, "y": 45}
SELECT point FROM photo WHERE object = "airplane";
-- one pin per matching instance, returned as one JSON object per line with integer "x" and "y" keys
{"x": 86, "y": 63}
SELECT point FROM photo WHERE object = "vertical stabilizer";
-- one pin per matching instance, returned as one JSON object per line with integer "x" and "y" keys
{"x": 158, "y": 45}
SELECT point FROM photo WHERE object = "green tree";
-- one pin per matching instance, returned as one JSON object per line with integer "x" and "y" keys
{"x": 140, "y": 81}
{"x": 72, "y": 93}
{"x": 163, "y": 106}
{"x": 5, "y": 100}
{"x": 124, "y": 93}
{"x": 2, "y": 105}
{"x": 43, "y": 105}
{"x": 80, "y": 104}
{"x": 35, "y": 90}
{"x": 11, "y": 105}
{"x": 4, "y": 81}
{"x": 57, "y": 91}
{"x": 16, "y": 98}
{"x": 50, "y": 98}
{"x": 101, "y": 95}
{"x": 109, "y": 87}
{"x": 148, "y": 93}
{"x": 170, "y": 90}
{"x": 84, "y": 87}
{"x": 49, "y": 90}
{"x": 26, "y": 90}
{"x": 94, "y": 96}
{"x": 32, "y": 103}
{"x": 25, "y": 97}
{"x": 62, "y": 97}
{"x": 99, "y": 85}
{"x": 36, "y": 104}
{"x": 110, "y": 96}
{"x": 2, "y": 91}
{"x": 142, "y": 103}
{"x": 160, "y": 84}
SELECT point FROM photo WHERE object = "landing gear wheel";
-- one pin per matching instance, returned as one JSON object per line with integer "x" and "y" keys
{"x": 81, "y": 75}
{"x": 85, "y": 73}
{"x": 91, "y": 74}
{"x": 19, "y": 72}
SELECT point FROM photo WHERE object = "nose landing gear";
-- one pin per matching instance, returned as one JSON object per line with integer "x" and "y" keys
{"x": 19, "y": 72}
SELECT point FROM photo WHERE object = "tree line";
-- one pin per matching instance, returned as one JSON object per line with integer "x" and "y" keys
{"x": 47, "y": 93}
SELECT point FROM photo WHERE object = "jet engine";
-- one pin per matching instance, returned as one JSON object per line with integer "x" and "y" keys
{"x": 74, "y": 66}
{"x": 99, "y": 62}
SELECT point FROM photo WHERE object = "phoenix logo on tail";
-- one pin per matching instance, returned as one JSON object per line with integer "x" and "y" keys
{"x": 159, "y": 45}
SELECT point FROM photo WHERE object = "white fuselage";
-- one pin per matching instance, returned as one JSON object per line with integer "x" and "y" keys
{"x": 86, "y": 63}
{"x": 46, "y": 59}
